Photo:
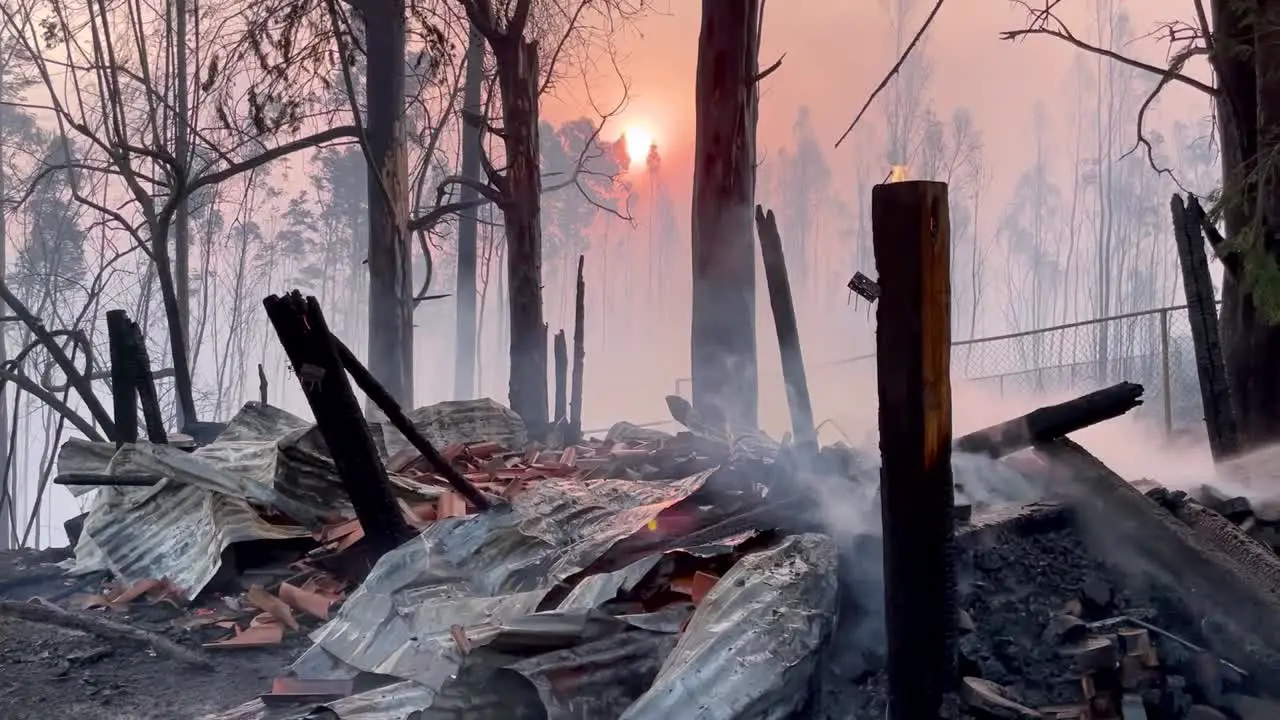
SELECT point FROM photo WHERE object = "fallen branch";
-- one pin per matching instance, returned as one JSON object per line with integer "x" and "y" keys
{"x": 46, "y": 613}
{"x": 1053, "y": 421}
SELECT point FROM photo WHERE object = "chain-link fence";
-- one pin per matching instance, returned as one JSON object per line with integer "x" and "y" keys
{"x": 1152, "y": 347}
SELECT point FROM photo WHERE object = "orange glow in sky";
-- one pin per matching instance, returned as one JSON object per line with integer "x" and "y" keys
{"x": 639, "y": 139}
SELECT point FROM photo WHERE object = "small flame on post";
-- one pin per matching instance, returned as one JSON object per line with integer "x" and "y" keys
{"x": 898, "y": 174}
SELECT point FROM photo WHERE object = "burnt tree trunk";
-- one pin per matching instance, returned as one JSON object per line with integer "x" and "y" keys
{"x": 723, "y": 342}
{"x": 1247, "y": 65}
{"x": 522, "y": 218}
{"x": 390, "y": 276}
{"x": 1197, "y": 284}
{"x": 519, "y": 188}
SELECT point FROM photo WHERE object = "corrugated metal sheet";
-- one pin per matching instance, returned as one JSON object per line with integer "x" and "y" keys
{"x": 456, "y": 421}
{"x": 485, "y": 569}
{"x": 751, "y": 647}
{"x": 265, "y": 458}
{"x": 178, "y": 529}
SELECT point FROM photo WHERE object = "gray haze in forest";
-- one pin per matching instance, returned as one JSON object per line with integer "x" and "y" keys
{"x": 1082, "y": 233}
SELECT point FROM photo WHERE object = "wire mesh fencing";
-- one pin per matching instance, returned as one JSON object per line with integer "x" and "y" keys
{"x": 1152, "y": 347}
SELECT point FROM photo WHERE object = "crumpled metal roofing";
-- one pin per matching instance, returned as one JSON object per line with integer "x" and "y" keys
{"x": 178, "y": 529}
{"x": 486, "y": 569}
{"x": 265, "y": 458}
{"x": 750, "y": 649}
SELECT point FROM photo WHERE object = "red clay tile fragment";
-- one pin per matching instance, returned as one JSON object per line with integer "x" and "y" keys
{"x": 451, "y": 505}
{"x": 701, "y": 585}
{"x": 292, "y": 690}
{"x": 273, "y": 605}
{"x": 306, "y": 601}
{"x": 484, "y": 450}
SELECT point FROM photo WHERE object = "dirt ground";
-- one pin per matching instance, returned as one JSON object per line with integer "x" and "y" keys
{"x": 48, "y": 672}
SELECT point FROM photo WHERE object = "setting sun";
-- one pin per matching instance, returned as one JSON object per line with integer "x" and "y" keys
{"x": 639, "y": 140}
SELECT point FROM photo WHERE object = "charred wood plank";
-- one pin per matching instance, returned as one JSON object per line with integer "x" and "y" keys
{"x": 145, "y": 382}
{"x": 788, "y": 330}
{"x": 314, "y": 355}
{"x": 1052, "y": 421}
{"x": 124, "y": 393}
{"x": 94, "y": 479}
{"x": 579, "y": 356}
{"x": 911, "y": 239}
{"x": 395, "y": 415}
{"x": 1237, "y": 606}
{"x": 562, "y": 377}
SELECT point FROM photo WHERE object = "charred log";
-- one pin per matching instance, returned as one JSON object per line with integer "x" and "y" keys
{"x": 1052, "y": 421}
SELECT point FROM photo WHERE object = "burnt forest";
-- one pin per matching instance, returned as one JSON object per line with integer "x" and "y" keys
{"x": 639, "y": 360}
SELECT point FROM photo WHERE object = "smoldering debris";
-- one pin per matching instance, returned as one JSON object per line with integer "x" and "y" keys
{"x": 638, "y": 575}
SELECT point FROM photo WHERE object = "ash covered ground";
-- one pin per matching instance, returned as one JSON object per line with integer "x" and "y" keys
{"x": 51, "y": 672}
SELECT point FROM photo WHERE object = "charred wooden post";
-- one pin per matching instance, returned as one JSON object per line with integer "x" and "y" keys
{"x": 579, "y": 355}
{"x": 1202, "y": 312}
{"x": 911, "y": 239}
{"x": 784, "y": 322}
{"x": 389, "y": 407}
{"x": 124, "y": 393}
{"x": 562, "y": 377}
{"x": 145, "y": 382}
{"x": 1052, "y": 421}
{"x": 312, "y": 352}
{"x": 262, "y": 385}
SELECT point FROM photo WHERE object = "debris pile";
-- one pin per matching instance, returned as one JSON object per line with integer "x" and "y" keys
{"x": 634, "y": 576}
{"x": 1259, "y": 519}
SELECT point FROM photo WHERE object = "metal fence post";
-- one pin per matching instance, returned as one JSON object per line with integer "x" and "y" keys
{"x": 1165, "y": 383}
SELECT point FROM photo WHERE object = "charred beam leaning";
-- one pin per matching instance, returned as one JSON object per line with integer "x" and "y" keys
{"x": 784, "y": 322}
{"x": 314, "y": 355}
{"x": 911, "y": 238}
{"x": 145, "y": 382}
{"x": 1215, "y": 392}
{"x": 1052, "y": 421}
{"x": 579, "y": 356}
{"x": 1235, "y": 598}
{"x": 387, "y": 404}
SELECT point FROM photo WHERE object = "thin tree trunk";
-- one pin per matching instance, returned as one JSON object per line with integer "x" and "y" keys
{"x": 181, "y": 225}
{"x": 6, "y": 492}
{"x": 464, "y": 367}
{"x": 390, "y": 280}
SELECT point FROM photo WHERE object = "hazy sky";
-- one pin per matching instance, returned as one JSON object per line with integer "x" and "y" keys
{"x": 838, "y": 50}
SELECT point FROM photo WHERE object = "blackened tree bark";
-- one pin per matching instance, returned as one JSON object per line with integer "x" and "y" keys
{"x": 517, "y": 190}
{"x": 390, "y": 276}
{"x": 1247, "y": 64}
{"x": 725, "y": 385}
